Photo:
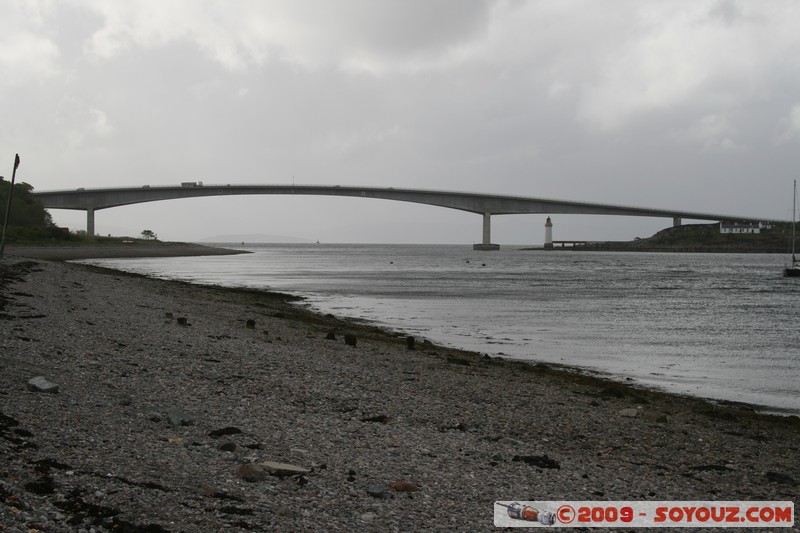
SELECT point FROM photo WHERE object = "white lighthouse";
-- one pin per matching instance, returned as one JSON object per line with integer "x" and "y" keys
{"x": 548, "y": 234}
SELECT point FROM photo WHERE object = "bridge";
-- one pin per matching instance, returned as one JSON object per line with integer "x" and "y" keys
{"x": 92, "y": 200}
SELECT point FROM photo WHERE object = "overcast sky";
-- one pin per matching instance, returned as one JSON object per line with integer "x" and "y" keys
{"x": 690, "y": 105}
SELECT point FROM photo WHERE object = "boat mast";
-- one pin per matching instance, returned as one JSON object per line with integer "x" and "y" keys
{"x": 794, "y": 218}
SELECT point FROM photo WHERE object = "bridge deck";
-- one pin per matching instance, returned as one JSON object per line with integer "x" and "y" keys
{"x": 92, "y": 200}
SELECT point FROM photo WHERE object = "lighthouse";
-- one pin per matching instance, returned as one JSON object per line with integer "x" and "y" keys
{"x": 548, "y": 234}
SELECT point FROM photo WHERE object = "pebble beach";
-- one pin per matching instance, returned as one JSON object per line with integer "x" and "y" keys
{"x": 142, "y": 405}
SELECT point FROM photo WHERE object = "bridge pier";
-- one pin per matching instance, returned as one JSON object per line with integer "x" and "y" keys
{"x": 90, "y": 221}
{"x": 676, "y": 221}
{"x": 487, "y": 235}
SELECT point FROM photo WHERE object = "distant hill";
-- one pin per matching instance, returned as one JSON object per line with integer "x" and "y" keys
{"x": 255, "y": 238}
{"x": 704, "y": 238}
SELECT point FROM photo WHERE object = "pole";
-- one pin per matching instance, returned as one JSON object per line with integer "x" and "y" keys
{"x": 794, "y": 220}
{"x": 8, "y": 206}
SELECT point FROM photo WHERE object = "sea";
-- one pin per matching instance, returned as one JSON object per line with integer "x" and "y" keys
{"x": 720, "y": 326}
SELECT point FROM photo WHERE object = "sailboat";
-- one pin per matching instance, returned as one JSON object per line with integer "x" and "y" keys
{"x": 793, "y": 270}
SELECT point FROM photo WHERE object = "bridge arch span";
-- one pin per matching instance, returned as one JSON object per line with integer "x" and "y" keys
{"x": 486, "y": 205}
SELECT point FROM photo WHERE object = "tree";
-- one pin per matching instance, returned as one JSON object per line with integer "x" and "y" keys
{"x": 26, "y": 210}
{"x": 148, "y": 234}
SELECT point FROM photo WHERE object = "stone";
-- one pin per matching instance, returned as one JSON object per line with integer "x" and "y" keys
{"x": 655, "y": 416}
{"x": 125, "y": 400}
{"x": 542, "y": 461}
{"x": 40, "y": 384}
{"x": 350, "y": 340}
{"x": 383, "y": 419}
{"x": 182, "y": 321}
{"x": 228, "y": 446}
{"x": 283, "y": 469}
{"x": 511, "y": 441}
{"x": 629, "y": 413}
{"x": 403, "y": 486}
{"x": 252, "y": 472}
{"x": 784, "y": 479}
{"x": 250, "y": 324}
{"x": 331, "y": 336}
{"x": 230, "y": 430}
{"x": 377, "y": 492}
{"x": 179, "y": 418}
{"x": 410, "y": 342}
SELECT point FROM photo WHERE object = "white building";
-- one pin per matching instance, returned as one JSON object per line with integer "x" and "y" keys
{"x": 734, "y": 227}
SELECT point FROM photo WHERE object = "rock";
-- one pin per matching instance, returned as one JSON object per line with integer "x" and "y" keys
{"x": 629, "y": 413}
{"x": 350, "y": 339}
{"x": 252, "y": 472}
{"x": 459, "y": 427}
{"x": 711, "y": 467}
{"x": 283, "y": 469}
{"x": 410, "y": 342}
{"x": 331, "y": 336}
{"x": 784, "y": 479}
{"x": 458, "y": 361}
{"x": 228, "y": 446}
{"x": 125, "y": 400}
{"x": 511, "y": 441}
{"x": 40, "y": 384}
{"x": 542, "y": 461}
{"x": 377, "y": 492}
{"x": 368, "y": 517}
{"x": 250, "y": 324}
{"x": 182, "y": 321}
{"x": 403, "y": 486}
{"x": 655, "y": 416}
{"x": 230, "y": 430}
{"x": 179, "y": 418}
{"x": 383, "y": 419}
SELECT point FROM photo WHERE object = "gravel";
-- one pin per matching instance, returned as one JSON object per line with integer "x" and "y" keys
{"x": 187, "y": 408}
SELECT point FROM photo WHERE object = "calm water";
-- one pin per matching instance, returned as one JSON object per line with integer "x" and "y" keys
{"x": 712, "y": 325}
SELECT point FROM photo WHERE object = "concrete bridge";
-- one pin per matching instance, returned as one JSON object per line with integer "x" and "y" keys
{"x": 91, "y": 200}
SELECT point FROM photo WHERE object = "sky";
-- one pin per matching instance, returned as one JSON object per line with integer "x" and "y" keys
{"x": 688, "y": 105}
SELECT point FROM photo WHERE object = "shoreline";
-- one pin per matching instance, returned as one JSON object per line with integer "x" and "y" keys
{"x": 463, "y": 429}
{"x": 387, "y": 334}
{"x": 572, "y": 368}
{"x": 79, "y": 252}
{"x": 68, "y": 252}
